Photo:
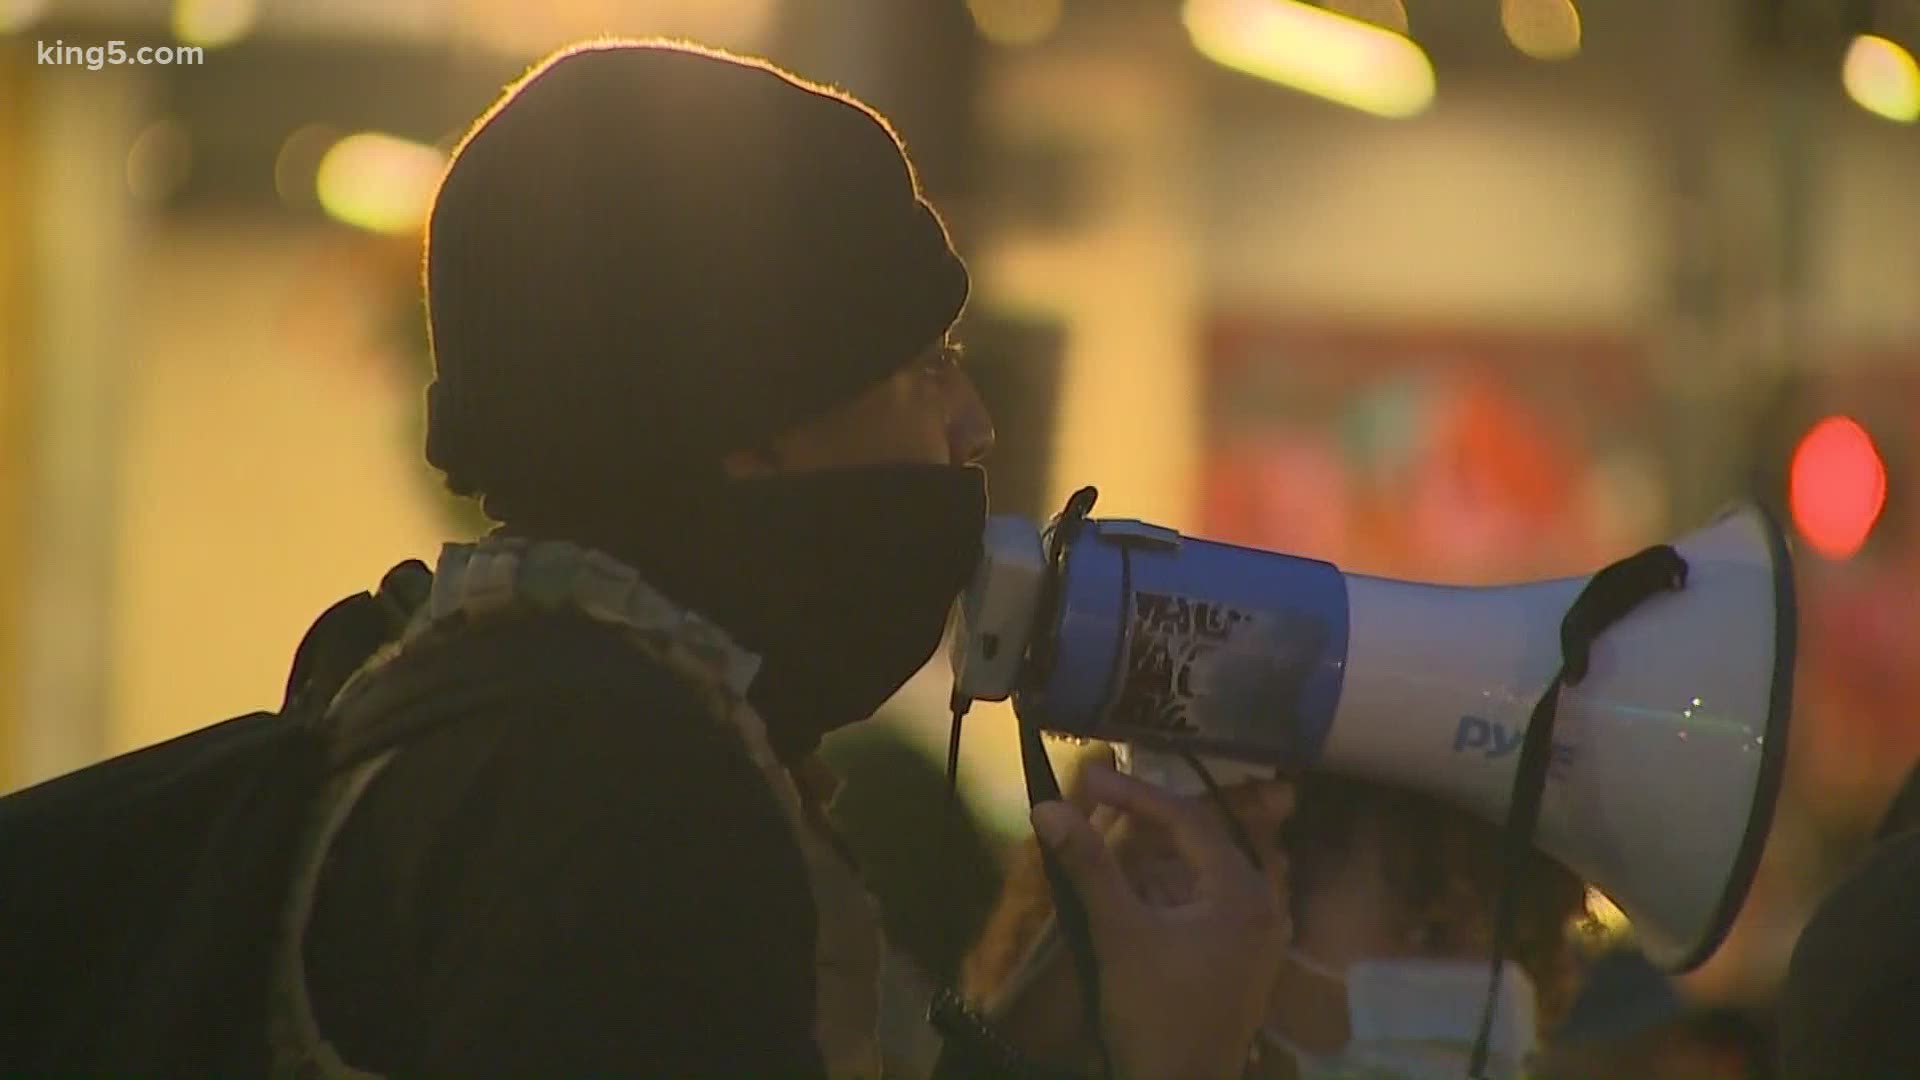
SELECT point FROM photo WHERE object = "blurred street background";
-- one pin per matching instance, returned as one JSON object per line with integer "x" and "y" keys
{"x": 1460, "y": 290}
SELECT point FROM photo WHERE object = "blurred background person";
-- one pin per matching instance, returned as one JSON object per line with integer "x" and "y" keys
{"x": 1853, "y": 988}
{"x": 1393, "y": 896}
{"x": 1630, "y": 1019}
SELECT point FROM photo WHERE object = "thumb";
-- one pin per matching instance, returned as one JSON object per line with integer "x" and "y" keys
{"x": 1085, "y": 858}
{"x": 1098, "y": 755}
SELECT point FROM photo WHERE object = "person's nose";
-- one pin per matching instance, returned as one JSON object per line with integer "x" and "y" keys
{"x": 970, "y": 433}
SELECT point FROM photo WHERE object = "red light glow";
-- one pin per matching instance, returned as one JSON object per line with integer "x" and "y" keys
{"x": 1837, "y": 487}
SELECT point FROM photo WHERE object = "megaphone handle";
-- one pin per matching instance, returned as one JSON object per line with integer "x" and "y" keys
{"x": 1070, "y": 913}
{"x": 1611, "y": 595}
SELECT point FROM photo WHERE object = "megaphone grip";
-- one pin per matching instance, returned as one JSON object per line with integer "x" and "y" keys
{"x": 1610, "y": 596}
{"x": 1234, "y": 828}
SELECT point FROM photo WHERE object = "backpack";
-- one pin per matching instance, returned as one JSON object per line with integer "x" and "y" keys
{"x": 140, "y": 898}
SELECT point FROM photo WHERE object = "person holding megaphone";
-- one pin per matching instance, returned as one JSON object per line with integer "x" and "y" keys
{"x": 1391, "y": 903}
{"x": 690, "y": 318}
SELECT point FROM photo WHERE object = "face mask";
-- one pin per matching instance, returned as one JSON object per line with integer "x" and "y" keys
{"x": 1418, "y": 1019}
{"x": 859, "y": 588}
{"x": 842, "y": 581}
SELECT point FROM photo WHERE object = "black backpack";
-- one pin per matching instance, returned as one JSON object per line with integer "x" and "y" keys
{"x": 141, "y": 898}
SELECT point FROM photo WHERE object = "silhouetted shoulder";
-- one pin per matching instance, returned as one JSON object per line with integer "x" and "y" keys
{"x": 588, "y": 874}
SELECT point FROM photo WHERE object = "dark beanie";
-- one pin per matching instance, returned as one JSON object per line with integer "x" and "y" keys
{"x": 648, "y": 255}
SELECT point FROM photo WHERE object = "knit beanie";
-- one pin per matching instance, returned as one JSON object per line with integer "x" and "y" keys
{"x": 648, "y": 255}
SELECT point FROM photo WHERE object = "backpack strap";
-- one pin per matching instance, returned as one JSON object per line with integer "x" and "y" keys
{"x": 299, "y": 1050}
{"x": 350, "y": 633}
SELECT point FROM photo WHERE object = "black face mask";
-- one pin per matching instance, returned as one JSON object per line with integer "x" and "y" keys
{"x": 842, "y": 580}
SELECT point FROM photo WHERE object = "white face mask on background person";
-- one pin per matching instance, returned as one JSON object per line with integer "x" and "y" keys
{"x": 1417, "y": 1019}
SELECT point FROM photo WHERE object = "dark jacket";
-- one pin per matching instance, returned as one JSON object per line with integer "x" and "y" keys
{"x": 574, "y": 881}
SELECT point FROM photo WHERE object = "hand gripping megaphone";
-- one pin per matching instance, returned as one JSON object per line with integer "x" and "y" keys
{"x": 1665, "y": 757}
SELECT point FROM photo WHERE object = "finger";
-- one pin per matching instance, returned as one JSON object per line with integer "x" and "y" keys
{"x": 1264, "y": 802}
{"x": 1261, "y": 808}
{"x": 1167, "y": 882}
{"x": 1258, "y": 809}
{"x": 1126, "y": 833}
{"x": 1195, "y": 830}
{"x": 1083, "y": 759}
{"x": 1278, "y": 869}
{"x": 1146, "y": 856}
{"x": 1106, "y": 821}
{"x": 1084, "y": 857}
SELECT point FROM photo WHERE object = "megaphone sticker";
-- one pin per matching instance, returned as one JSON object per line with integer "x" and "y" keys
{"x": 1167, "y": 637}
{"x": 1188, "y": 657}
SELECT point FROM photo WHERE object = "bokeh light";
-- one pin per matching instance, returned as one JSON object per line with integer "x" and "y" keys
{"x": 379, "y": 182}
{"x": 1542, "y": 29}
{"x": 1882, "y": 78}
{"x": 516, "y": 27}
{"x": 213, "y": 23}
{"x": 1016, "y": 22}
{"x": 159, "y": 161}
{"x": 1391, "y": 14}
{"x": 298, "y": 163}
{"x": 1315, "y": 51}
{"x": 20, "y": 14}
{"x": 1609, "y": 921}
{"x": 1837, "y": 487}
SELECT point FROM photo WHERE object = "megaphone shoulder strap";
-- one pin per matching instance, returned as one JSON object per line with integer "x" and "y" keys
{"x": 1611, "y": 595}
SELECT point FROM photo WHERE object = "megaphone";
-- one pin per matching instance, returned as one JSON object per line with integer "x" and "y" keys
{"x": 1666, "y": 757}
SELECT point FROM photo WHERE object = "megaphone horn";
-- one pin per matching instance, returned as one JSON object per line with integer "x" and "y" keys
{"x": 1665, "y": 759}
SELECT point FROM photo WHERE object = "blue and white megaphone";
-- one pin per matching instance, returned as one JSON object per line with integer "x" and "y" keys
{"x": 1666, "y": 757}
